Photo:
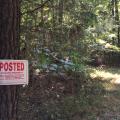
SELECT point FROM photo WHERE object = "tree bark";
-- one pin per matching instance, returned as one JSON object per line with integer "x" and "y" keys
{"x": 9, "y": 49}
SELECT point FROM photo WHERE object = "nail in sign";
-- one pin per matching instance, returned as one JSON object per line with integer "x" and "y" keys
{"x": 13, "y": 72}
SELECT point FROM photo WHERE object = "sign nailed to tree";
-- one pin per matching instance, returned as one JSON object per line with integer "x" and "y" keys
{"x": 13, "y": 72}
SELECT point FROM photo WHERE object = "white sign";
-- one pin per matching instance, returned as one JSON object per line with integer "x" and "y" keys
{"x": 13, "y": 72}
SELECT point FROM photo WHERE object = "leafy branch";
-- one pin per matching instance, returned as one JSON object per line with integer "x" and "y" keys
{"x": 37, "y": 8}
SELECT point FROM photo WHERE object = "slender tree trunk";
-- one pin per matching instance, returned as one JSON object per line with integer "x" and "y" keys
{"x": 117, "y": 21}
{"x": 115, "y": 14}
{"x": 60, "y": 19}
{"x": 112, "y": 8}
{"x": 9, "y": 49}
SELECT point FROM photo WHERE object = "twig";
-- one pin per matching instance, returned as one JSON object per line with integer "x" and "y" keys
{"x": 35, "y": 9}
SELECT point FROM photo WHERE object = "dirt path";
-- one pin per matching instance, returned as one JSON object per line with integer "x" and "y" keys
{"x": 109, "y": 83}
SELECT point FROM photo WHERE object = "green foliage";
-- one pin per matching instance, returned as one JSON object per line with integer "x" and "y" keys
{"x": 50, "y": 62}
{"x": 59, "y": 38}
{"x": 70, "y": 29}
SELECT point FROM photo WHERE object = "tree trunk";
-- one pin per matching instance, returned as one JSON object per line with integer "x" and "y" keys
{"x": 117, "y": 21}
{"x": 9, "y": 49}
{"x": 115, "y": 14}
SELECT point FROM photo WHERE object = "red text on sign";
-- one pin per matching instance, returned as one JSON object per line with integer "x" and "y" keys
{"x": 11, "y": 66}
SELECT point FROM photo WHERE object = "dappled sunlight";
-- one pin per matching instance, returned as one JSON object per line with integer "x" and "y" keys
{"x": 116, "y": 81}
{"x": 109, "y": 87}
{"x": 110, "y": 77}
{"x": 105, "y": 75}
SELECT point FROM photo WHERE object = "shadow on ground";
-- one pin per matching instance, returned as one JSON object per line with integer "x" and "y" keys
{"x": 110, "y": 82}
{"x": 53, "y": 97}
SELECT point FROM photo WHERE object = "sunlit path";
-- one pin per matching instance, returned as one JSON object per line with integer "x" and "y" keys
{"x": 109, "y": 81}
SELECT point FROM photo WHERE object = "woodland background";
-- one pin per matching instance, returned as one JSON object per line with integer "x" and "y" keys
{"x": 73, "y": 47}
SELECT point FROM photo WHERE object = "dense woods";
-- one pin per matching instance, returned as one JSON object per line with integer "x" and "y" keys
{"x": 73, "y": 30}
{"x": 73, "y": 48}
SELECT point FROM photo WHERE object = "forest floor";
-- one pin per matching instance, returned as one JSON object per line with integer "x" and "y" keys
{"x": 53, "y": 97}
{"x": 108, "y": 80}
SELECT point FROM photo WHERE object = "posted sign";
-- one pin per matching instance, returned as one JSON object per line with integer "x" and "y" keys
{"x": 13, "y": 72}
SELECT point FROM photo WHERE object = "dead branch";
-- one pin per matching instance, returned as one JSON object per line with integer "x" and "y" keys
{"x": 37, "y": 8}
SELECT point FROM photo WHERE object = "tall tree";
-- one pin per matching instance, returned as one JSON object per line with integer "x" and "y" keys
{"x": 9, "y": 49}
{"x": 117, "y": 21}
{"x": 115, "y": 14}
